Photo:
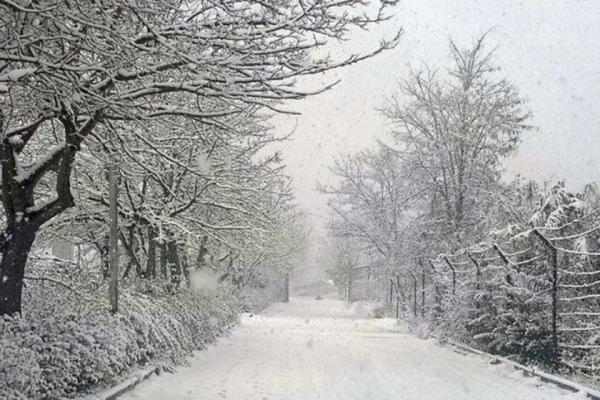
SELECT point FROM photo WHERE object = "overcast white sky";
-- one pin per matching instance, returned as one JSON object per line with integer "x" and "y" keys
{"x": 550, "y": 49}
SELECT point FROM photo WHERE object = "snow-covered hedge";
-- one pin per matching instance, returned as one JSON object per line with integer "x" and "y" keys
{"x": 510, "y": 320}
{"x": 504, "y": 305}
{"x": 64, "y": 346}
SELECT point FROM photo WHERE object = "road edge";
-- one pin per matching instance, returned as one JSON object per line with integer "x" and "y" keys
{"x": 114, "y": 392}
{"x": 136, "y": 378}
{"x": 532, "y": 371}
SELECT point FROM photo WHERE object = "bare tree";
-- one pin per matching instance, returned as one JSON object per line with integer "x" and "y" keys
{"x": 455, "y": 133}
{"x": 375, "y": 202}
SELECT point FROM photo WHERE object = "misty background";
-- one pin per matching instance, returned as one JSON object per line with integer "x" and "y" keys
{"x": 548, "y": 49}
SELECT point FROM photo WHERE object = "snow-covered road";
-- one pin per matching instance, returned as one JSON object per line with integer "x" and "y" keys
{"x": 328, "y": 350}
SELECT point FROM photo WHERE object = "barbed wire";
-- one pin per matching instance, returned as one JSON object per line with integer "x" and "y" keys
{"x": 577, "y": 306}
{"x": 575, "y": 221}
{"x": 575, "y": 236}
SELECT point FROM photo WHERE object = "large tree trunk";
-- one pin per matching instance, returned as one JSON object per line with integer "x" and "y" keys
{"x": 12, "y": 267}
{"x": 23, "y": 217}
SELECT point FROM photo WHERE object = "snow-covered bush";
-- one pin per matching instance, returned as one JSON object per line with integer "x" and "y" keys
{"x": 510, "y": 320}
{"x": 504, "y": 306}
{"x": 73, "y": 345}
{"x": 503, "y": 310}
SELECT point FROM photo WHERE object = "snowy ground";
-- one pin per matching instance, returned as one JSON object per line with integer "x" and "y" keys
{"x": 325, "y": 349}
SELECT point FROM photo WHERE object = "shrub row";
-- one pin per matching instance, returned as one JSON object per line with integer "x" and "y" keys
{"x": 65, "y": 346}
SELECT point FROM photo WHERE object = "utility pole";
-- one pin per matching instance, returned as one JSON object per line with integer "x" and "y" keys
{"x": 113, "y": 252}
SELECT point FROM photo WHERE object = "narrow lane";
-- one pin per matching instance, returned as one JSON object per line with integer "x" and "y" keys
{"x": 328, "y": 350}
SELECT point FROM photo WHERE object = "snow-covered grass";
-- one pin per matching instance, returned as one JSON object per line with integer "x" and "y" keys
{"x": 65, "y": 345}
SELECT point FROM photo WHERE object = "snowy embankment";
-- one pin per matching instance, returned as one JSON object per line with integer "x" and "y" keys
{"x": 328, "y": 350}
{"x": 51, "y": 353}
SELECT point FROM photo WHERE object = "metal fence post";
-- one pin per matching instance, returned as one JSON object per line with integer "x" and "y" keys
{"x": 501, "y": 254}
{"x": 554, "y": 265}
{"x": 508, "y": 263}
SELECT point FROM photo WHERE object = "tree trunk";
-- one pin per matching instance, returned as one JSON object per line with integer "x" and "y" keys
{"x": 133, "y": 254}
{"x": 185, "y": 268}
{"x": 133, "y": 261}
{"x": 103, "y": 251}
{"x": 151, "y": 262}
{"x": 22, "y": 218}
{"x": 200, "y": 261}
{"x": 163, "y": 260}
{"x": 286, "y": 288}
{"x": 12, "y": 267}
{"x": 174, "y": 263}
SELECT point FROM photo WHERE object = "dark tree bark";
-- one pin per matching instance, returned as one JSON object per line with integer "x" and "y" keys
{"x": 103, "y": 249}
{"x": 151, "y": 262}
{"x": 202, "y": 252}
{"x": 164, "y": 260}
{"x": 12, "y": 267}
{"x": 130, "y": 247}
{"x": 23, "y": 217}
{"x": 185, "y": 267}
{"x": 133, "y": 253}
{"x": 174, "y": 263}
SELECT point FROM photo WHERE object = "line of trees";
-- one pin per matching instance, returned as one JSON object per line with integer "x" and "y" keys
{"x": 508, "y": 267}
{"x": 176, "y": 93}
{"x": 436, "y": 185}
